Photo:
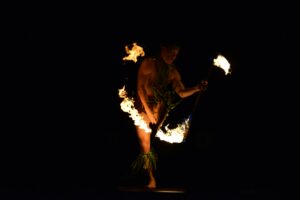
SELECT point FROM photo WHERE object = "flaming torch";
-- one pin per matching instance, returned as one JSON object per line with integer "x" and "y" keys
{"x": 220, "y": 62}
{"x": 127, "y": 105}
{"x": 179, "y": 133}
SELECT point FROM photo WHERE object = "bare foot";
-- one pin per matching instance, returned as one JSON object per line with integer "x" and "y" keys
{"x": 151, "y": 184}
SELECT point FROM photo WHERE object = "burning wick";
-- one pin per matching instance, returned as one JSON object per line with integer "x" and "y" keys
{"x": 134, "y": 52}
{"x": 222, "y": 62}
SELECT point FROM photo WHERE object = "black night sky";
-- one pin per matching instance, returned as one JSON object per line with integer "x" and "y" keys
{"x": 68, "y": 134}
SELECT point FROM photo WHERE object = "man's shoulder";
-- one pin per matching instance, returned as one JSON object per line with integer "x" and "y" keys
{"x": 150, "y": 59}
{"x": 148, "y": 64}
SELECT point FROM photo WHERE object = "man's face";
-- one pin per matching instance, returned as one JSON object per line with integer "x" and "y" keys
{"x": 169, "y": 54}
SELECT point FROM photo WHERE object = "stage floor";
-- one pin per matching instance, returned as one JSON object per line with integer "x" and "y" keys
{"x": 171, "y": 190}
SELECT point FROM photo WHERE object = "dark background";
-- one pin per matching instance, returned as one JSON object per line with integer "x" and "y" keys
{"x": 65, "y": 129}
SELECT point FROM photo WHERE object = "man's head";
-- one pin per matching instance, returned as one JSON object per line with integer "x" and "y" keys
{"x": 169, "y": 51}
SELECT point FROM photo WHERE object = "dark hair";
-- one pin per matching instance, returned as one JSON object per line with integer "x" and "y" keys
{"x": 170, "y": 44}
{"x": 169, "y": 40}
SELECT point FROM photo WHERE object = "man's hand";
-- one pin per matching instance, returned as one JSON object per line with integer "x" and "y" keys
{"x": 151, "y": 116}
{"x": 202, "y": 86}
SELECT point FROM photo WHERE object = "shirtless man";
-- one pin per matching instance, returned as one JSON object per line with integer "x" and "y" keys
{"x": 157, "y": 82}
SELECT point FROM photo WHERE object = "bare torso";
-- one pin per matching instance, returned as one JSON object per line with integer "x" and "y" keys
{"x": 154, "y": 75}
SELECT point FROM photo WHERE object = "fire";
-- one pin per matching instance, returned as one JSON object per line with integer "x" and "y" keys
{"x": 175, "y": 135}
{"x": 179, "y": 133}
{"x": 222, "y": 62}
{"x": 134, "y": 52}
{"x": 127, "y": 105}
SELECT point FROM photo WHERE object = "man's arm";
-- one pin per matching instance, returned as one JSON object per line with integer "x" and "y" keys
{"x": 182, "y": 91}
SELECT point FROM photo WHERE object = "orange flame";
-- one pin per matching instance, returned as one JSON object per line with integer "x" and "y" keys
{"x": 222, "y": 62}
{"x": 175, "y": 135}
{"x": 134, "y": 52}
{"x": 127, "y": 105}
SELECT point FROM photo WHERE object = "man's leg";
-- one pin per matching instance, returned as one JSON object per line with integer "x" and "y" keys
{"x": 148, "y": 156}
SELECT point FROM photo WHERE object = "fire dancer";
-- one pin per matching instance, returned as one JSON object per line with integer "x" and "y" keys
{"x": 159, "y": 89}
